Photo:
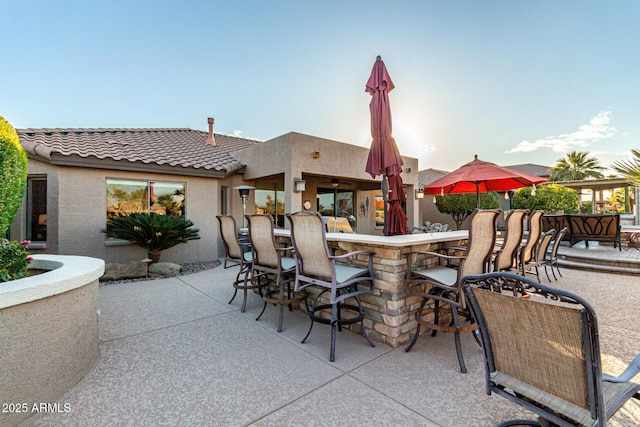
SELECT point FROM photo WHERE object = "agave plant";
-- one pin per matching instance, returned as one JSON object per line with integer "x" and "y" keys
{"x": 152, "y": 232}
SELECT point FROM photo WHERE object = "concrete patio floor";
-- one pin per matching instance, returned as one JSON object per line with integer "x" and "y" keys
{"x": 174, "y": 353}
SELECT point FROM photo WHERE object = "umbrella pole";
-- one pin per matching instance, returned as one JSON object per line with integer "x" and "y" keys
{"x": 384, "y": 186}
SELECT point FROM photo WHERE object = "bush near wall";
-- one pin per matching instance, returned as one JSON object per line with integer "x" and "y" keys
{"x": 13, "y": 174}
{"x": 549, "y": 198}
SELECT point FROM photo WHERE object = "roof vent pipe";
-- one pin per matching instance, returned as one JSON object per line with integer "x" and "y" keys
{"x": 211, "y": 140}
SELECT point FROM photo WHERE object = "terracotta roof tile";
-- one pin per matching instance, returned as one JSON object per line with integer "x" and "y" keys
{"x": 427, "y": 176}
{"x": 177, "y": 147}
{"x": 531, "y": 169}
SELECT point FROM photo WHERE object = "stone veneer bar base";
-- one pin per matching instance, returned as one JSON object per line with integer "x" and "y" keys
{"x": 48, "y": 334}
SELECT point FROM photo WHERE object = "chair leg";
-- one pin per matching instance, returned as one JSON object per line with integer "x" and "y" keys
{"x": 417, "y": 334}
{"x": 334, "y": 325}
{"x": 547, "y": 272}
{"x": 456, "y": 324}
{"x": 281, "y": 296}
{"x": 364, "y": 331}
{"x": 244, "y": 298}
{"x": 558, "y": 268}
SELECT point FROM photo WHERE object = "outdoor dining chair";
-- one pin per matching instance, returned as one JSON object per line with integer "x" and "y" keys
{"x": 556, "y": 371}
{"x": 533, "y": 266}
{"x": 271, "y": 263}
{"x": 443, "y": 303}
{"x": 527, "y": 252}
{"x": 506, "y": 256}
{"x": 235, "y": 256}
{"x": 337, "y": 276}
{"x": 552, "y": 259}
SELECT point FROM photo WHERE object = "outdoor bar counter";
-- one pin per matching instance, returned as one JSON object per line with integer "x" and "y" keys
{"x": 389, "y": 311}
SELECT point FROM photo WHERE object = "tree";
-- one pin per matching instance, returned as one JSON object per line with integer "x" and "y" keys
{"x": 575, "y": 167}
{"x": 630, "y": 168}
{"x": 460, "y": 206}
{"x": 13, "y": 174}
{"x": 152, "y": 232}
{"x": 550, "y": 198}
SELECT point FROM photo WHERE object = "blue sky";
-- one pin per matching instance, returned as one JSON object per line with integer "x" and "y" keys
{"x": 512, "y": 81}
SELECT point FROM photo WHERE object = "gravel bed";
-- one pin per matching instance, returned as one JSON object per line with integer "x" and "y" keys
{"x": 188, "y": 268}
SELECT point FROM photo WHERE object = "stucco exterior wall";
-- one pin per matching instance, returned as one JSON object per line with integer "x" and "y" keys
{"x": 48, "y": 346}
{"x": 292, "y": 154}
{"x": 76, "y": 214}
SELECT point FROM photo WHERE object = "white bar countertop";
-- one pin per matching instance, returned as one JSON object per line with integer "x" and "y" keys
{"x": 395, "y": 241}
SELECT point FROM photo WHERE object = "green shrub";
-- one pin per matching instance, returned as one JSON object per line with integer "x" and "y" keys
{"x": 152, "y": 232}
{"x": 460, "y": 206}
{"x": 549, "y": 198}
{"x": 13, "y": 174}
{"x": 14, "y": 260}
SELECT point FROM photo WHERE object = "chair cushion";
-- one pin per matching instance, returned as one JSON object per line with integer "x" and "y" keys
{"x": 287, "y": 263}
{"x": 346, "y": 272}
{"x": 248, "y": 256}
{"x": 443, "y": 275}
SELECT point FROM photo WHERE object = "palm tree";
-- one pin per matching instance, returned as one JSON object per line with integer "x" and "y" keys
{"x": 575, "y": 167}
{"x": 630, "y": 168}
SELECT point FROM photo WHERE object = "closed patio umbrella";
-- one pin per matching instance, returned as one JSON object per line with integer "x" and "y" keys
{"x": 384, "y": 157}
{"x": 478, "y": 177}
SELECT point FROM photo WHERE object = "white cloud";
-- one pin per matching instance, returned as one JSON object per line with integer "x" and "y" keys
{"x": 596, "y": 130}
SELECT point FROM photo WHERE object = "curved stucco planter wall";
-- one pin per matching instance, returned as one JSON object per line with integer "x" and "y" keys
{"x": 48, "y": 332}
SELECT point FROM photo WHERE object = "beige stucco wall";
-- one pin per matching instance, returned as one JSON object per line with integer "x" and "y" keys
{"x": 48, "y": 346}
{"x": 76, "y": 212}
{"x": 292, "y": 155}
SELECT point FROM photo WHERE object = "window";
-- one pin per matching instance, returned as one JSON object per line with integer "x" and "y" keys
{"x": 332, "y": 201}
{"x": 125, "y": 197}
{"x": 270, "y": 199}
{"x": 224, "y": 200}
{"x": 379, "y": 211}
{"x": 37, "y": 208}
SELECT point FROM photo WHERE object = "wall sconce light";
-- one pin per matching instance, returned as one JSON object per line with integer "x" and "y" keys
{"x": 533, "y": 190}
{"x": 316, "y": 154}
{"x": 419, "y": 193}
{"x": 299, "y": 185}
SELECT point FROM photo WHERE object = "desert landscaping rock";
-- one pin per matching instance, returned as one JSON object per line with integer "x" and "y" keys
{"x": 164, "y": 269}
{"x": 121, "y": 271}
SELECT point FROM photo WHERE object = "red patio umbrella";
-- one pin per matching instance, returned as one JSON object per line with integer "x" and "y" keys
{"x": 384, "y": 157}
{"x": 479, "y": 176}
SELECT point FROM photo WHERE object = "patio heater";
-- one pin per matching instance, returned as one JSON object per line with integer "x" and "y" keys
{"x": 244, "y": 193}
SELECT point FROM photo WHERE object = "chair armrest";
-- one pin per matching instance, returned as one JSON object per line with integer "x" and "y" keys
{"x": 286, "y": 248}
{"x": 437, "y": 254}
{"x": 350, "y": 254}
{"x": 631, "y": 371}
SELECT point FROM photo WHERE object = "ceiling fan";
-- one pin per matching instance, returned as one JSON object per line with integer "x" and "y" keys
{"x": 335, "y": 182}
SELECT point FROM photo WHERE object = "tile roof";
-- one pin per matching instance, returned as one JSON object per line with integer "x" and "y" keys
{"x": 427, "y": 176}
{"x": 531, "y": 169}
{"x": 174, "y": 150}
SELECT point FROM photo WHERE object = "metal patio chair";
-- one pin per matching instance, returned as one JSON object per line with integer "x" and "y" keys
{"x": 556, "y": 371}
{"x": 235, "y": 256}
{"x": 507, "y": 255}
{"x": 271, "y": 263}
{"x": 443, "y": 302}
{"x": 532, "y": 267}
{"x": 552, "y": 258}
{"x": 337, "y": 276}
{"x": 528, "y": 250}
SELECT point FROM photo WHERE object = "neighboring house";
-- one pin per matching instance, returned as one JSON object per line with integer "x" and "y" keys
{"x": 78, "y": 178}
